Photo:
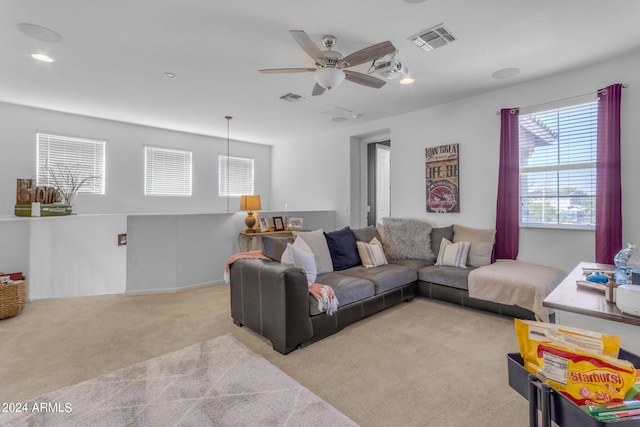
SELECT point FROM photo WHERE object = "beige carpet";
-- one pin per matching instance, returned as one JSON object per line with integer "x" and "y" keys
{"x": 215, "y": 383}
{"x": 424, "y": 363}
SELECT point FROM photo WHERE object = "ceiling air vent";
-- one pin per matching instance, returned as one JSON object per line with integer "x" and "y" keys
{"x": 291, "y": 97}
{"x": 433, "y": 38}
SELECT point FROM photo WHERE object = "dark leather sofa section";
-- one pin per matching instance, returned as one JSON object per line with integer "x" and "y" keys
{"x": 273, "y": 300}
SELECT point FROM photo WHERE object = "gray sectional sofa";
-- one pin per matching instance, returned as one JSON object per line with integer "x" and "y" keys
{"x": 272, "y": 298}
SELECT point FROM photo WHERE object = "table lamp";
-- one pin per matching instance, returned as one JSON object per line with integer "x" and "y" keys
{"x": 249, "y": 204}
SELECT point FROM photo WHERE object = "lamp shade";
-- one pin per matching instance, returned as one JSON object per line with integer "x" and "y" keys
{"x": 329, "y": 77}
{"x": 250, "y": 203}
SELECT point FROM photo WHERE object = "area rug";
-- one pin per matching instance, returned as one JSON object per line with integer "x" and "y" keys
{"x": 214, "y": 383}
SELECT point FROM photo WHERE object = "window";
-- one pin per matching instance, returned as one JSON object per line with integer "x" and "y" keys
{"x": 167, "y": 172}
{"x": 558, "y": 167}
{"x": 235, "y": 176}
{"x": 67, "y": 161}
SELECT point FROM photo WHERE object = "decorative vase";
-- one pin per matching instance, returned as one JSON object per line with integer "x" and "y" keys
{"x": 621, "y": 258}
{"x": 72, "y": 200}
{"x": 625, "y": 260}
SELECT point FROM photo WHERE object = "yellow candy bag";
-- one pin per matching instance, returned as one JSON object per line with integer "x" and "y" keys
{"x": 585, "y": 378}
{"x": 531, "y": 333}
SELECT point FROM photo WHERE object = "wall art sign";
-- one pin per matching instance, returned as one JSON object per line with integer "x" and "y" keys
{"x": 441, "y": 167}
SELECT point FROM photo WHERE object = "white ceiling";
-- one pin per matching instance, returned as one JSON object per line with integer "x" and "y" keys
{"x": 113, "y": 54}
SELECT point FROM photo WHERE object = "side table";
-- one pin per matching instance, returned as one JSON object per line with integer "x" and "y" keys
{"x": 248, "y": 240}
{"x": 587, "y": 309}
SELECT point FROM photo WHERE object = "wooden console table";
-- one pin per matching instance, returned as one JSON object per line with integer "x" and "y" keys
{"x": 587, "y": 309}
{"x": 246, "y": 240}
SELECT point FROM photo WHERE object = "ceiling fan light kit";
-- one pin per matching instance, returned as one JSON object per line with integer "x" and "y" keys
{"x": 329, "y": 78}
{"x": 391, "y": 68}
{"x": 331, "y": 67}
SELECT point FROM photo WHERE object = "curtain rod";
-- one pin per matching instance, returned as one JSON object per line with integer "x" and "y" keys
{"x": 624, "y": 85}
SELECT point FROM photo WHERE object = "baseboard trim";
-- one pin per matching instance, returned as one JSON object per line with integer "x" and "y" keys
{"x": 175, "y": 290}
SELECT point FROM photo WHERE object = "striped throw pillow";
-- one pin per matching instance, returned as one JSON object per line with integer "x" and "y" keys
{"x": 453, "y": 254}
{"x": 371, "y": 254}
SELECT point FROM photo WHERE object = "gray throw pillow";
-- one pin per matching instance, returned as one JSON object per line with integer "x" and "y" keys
{"x": 406, "y": 239}
{"x": 437, "y": 234}
{"x": 482, "y": 241}
{"x": 366, "y": 234}
{"x": 318, "y": 244}
{"x": 273, "y": 247}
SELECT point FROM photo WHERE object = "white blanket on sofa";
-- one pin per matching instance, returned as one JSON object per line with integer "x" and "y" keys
{"x": 515, "y": 283}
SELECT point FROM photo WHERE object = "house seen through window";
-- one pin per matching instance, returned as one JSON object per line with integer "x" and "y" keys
{"x": 558, "y": 167}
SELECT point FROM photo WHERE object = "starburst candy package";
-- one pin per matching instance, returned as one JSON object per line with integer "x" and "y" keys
{"x": 530, "y": 334}
{"x": 585, "y": 378}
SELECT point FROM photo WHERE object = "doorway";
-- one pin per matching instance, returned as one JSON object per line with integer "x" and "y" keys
{"x": 378, "y": 181}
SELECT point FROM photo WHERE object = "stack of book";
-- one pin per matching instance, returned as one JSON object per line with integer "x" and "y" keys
{"x": 11, "y": 279}
{"x": 38, "y": 201}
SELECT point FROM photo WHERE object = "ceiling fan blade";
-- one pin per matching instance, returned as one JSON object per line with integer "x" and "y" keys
{"x": 286, "y": 70}
{"x": 367, "y": 54}
{"x": 317, "y": 90}
{"x": 364, "y": 79}
{"x": 307, "y": 44}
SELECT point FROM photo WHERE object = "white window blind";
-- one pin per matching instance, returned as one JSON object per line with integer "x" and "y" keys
{"x": 167, "y": 172}
{"x": 70, "y": 158}
{"x": 558, "y": 167}
{"x": 235, "y": 176}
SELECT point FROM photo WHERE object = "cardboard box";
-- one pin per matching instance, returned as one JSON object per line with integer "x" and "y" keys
{"x": 39, "y": 209}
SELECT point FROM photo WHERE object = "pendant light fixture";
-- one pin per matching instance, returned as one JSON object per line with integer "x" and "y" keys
{"x": 228, "y": 118}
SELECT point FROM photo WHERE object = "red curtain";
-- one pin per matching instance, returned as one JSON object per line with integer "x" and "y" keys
{"x": 608, "y": 180}
{"x": 508, "y": 205}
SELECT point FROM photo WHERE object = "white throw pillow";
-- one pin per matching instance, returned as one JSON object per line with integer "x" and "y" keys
{"x": 299, "y": 255}
{"x": 453, "y": 254}
{"x": 371, "y": 254}
{"x": 318, "y": 244}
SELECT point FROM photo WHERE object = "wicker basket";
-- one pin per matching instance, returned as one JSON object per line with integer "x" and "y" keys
{"x": 12, "y": 298}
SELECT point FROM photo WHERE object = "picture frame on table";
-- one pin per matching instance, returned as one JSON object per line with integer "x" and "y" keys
{"x": 296, "y": 223}
{"x": 278, "y": 223}
{"x": 264, "y": 226}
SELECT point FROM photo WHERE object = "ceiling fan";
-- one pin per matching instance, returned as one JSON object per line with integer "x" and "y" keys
{"x": 331, "y": 68}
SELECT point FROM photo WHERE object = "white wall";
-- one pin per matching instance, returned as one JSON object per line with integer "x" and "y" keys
{"x": 166, "y": 252}
{"x": 124, "y": 162}
{"x": 473, "y": 123}
{"x": 69, "y": 256}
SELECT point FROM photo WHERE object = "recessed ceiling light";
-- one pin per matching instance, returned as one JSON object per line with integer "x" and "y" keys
{"x": 170, "y": 75}
{"x": 39, "y": 33}
{"x": 406, "y": 80}
{"x": 506, "y": 73}
{"x": 42, "y": 57}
